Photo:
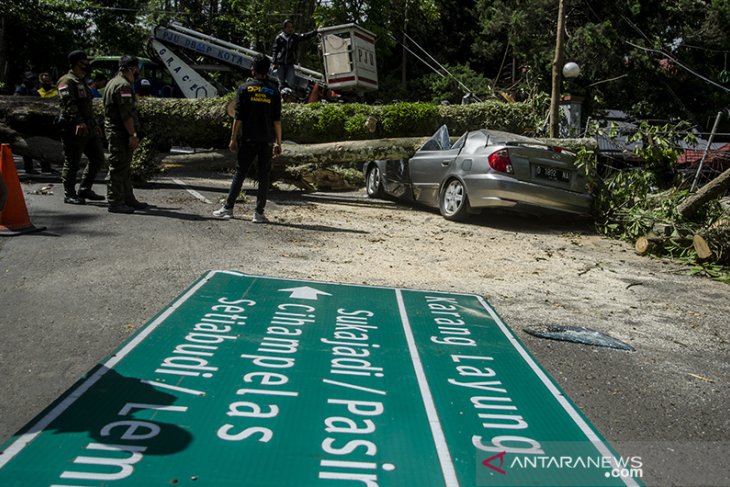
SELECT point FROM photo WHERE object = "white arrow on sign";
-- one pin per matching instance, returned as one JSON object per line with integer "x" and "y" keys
{"x": 305, "y": 292}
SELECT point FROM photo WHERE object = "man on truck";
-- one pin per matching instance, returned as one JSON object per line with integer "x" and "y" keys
{"x": 285, "y": 53}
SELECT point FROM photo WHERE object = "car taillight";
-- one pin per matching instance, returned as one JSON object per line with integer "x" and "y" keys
{"x": 499, "y": 161}
{"x": 557, "y": 149}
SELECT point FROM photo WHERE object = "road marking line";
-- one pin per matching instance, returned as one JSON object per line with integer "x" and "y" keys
{"x": 199, "y": 196}
{"x": 574, "y": 415}
{"x": 442, "y": 448}
{"x": 162, "y": 385}
{"x": 35, "y": 430}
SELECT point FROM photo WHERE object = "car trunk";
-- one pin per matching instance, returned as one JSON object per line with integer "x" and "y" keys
{"x": 546, "y": 167}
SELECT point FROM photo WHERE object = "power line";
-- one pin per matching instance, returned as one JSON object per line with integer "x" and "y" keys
{"x": 689, "y": 46}
{"x": 686, "y": 68}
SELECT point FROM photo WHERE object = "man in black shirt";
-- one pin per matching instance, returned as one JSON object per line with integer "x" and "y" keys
{"x": 256, "y": 128}
{"x": 285, "y": 53}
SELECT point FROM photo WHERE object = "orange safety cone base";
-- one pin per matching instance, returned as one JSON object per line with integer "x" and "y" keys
{"x": 7, "y": 232}
{"x": 14, "y": 219}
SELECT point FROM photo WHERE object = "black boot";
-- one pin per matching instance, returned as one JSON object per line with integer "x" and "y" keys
{"x": 89, "y": 194}
{"x": 46, "y": 168}
{"x": 28, "y": 165}
{"x": 73, "y": 199}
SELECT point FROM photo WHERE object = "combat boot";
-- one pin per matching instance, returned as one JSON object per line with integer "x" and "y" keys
{"x": 73, "y": 199}
{"x": 89, "y": 194}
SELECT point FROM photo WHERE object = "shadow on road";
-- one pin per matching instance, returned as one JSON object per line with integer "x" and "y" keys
{"x": 318, "y": 228}
{"x": 172, "y": 213}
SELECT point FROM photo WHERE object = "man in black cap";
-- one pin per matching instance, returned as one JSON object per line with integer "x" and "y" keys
{"x": 80, "y": 132}
{"x": 256, "y": 128}
{"x": 122, "y": 126}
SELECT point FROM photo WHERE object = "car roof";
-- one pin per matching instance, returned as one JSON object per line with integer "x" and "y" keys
{"x": 498, "y": 137}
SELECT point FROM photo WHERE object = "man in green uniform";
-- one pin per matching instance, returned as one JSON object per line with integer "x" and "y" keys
{"x": 121, "y": 124}
{"x": 80, "y": 132}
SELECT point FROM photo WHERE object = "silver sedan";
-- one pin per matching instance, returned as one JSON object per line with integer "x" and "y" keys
{"x": 482, "y": 169}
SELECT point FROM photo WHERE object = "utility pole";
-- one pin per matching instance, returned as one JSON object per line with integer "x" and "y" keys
{"x": 558, "y": 62}
{"x": 403, "y": 78}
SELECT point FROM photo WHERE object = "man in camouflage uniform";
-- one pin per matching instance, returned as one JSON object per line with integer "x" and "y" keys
{"x": 121, "y": 124}
{"x": 80, "y": 132}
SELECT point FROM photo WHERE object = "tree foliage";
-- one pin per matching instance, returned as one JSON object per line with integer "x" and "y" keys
{"x": 631, "y": 52}
{"x": 654, "y": 58}
{"x": 36, "y": 35}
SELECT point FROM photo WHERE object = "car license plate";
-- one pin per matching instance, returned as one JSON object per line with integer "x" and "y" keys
{"x": 552, "y": 173}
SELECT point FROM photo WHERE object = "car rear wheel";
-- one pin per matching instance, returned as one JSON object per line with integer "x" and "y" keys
{"x": 374, "y": 183}
{"x": 454, "y": 204}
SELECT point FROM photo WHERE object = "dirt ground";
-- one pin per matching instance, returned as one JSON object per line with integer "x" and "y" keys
{"x": 669, "y": 397}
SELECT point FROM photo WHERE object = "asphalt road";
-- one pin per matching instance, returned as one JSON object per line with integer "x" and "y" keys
{"x": 73, "y": 293}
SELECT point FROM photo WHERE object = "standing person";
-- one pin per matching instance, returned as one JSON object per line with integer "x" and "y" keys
{"x": 285, "y": 53}
{"x": 145, "y": 88}
{"x": 80, "y": 132}
{"x": 256, "y": 127}
{"x": 121, "y": 124}
{"x": 27, "y": 87}
{"x": 100, "y": 81}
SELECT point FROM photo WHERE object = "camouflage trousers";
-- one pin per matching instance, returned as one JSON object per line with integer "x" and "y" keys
{"x": 119, "y": 178}
{"x": 73, "y": 148}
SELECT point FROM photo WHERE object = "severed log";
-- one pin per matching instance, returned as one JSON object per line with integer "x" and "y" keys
{"x": 701, "y": 248}
{"x": 657, "y": 244}
{"x": 708, "y": 192}
{"x": 649, "y": 244}
{"x": 717, "y": 239}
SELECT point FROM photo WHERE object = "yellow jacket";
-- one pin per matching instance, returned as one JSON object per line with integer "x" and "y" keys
{"x": 48, "y": 93}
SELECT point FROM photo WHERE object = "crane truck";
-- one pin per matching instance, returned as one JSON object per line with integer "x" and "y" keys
{"x": 348, "y": 53}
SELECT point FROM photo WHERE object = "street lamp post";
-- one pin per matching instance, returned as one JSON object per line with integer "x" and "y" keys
{"x": 570, "y": 103}
{"x": 558, "y": 61}
{"x": 570, "y": 71}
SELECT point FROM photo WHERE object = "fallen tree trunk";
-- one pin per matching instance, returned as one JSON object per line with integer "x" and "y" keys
{"x": 308, "y": 166}
{"x": 381, "y": 132}
{"x": 350, "y": 151}
{"x": 708, "y": 192}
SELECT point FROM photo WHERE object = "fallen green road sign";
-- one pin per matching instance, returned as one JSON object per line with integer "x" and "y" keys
{"x": 255, "y": 381}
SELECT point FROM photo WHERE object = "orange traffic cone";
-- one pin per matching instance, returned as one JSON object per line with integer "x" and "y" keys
{"x": 314, "y": 96}
{"x": 14, "y": 219}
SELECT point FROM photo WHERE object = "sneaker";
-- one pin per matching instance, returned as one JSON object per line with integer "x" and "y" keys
{"x": 121, "y": 209}
{"x": 259, "y": 218}
{"x": 139, "y": 205}
{"x": 73, "y": 199}
{"x": 89, "y": 194}
{"x": 224, "y": 213}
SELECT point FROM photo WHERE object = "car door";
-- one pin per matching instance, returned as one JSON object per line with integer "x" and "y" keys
{"x": 429, "y": 165}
